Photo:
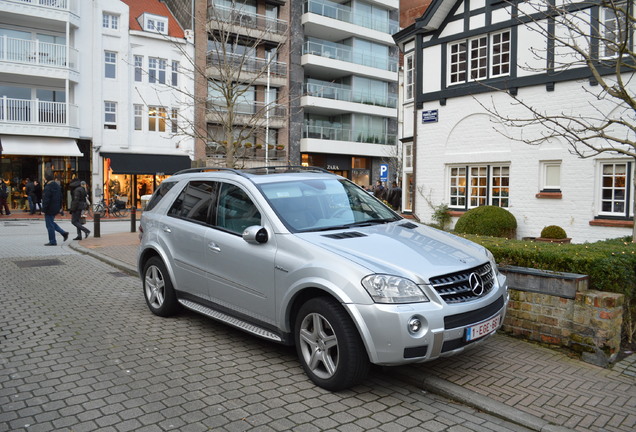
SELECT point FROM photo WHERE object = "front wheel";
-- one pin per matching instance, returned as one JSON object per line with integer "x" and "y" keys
{"x": 329, "y": 346}
{"x": 158, "y": 290}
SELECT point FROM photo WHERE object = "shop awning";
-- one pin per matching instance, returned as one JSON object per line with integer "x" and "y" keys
{"x": 135, "y": 163}
{"x": 38, "y": 146}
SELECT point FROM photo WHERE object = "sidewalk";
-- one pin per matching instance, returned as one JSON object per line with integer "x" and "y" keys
{"x": 538, "y": 388}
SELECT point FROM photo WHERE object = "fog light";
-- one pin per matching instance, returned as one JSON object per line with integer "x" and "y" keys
{"x": 415, "y": 325}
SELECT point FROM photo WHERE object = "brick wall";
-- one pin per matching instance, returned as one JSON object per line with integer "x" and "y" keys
{"x": 589, "y": 322}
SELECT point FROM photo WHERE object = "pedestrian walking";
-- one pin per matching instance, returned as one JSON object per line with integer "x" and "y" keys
{"x": 38, "y": 196}
{"x": 394, "y": 197}
{"x": 78, "y": 204}
{"x": 51, "y": 205}
{"x": 379, "y": 191}
{"x": 29, "y": 190}
{"x": 4, "y": 195}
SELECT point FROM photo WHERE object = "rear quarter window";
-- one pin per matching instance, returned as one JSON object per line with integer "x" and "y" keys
{"x": 161, "y": 191}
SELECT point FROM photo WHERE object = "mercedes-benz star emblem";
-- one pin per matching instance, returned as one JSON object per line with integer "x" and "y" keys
{"x": 476, "y": 284}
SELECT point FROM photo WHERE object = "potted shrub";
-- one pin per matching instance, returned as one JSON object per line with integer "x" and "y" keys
{"x": 553, "y": 234}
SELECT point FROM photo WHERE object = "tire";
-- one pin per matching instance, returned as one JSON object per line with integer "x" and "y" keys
{"x": 99, "y": 209}
{"x": 122, "y": 212}
{"x": 329, "y": 345}
{"x": 158, "y": 290}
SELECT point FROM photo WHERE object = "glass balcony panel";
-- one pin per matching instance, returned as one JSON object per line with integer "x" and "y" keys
{"x": 345, "y": 53}
{"x": 344, "y": 13}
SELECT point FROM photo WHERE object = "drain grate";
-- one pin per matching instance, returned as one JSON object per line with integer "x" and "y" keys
{"x": 38, "y": 263}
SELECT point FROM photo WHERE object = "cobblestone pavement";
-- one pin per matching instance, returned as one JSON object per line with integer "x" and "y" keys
{"x": 90, "y": 356}
{"x": 79, "y": 351}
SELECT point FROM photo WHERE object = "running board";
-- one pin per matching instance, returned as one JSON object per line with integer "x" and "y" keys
{"x": 234, "y": 322}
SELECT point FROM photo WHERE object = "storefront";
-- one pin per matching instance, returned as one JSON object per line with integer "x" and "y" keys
{"x": 356, "y": 169}
{"x": 30, "y": 157}
{"x": 129, "y": 176}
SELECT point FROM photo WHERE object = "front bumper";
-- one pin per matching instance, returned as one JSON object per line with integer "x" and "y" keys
{"x": 385, "y": 328}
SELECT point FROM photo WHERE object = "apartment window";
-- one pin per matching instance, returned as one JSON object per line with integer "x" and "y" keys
{"x": 613, "y": 31}
{"x": 138, "y": 116}
{"x": 408, "y": 156}
{"x": 110, "y": 64}
{"x": 155, "y": 23}
{"x": 551, "y": 176}
{"x": 110, "y": 115}
{"x": 174, "y": 73}
{"x": 615, "y": 190}
{"x": 174, "y": 120}
{"x": 500, "y": 56}
{"x": 468, "y": 60}
{"x": 409, "y": 85}
{"x": 156, "y": 70}
{"x": 139, "y": 62}
{"x": 474, "y": 186}
{"x": 110, "y": 21}
{"x": 157, "y": 119}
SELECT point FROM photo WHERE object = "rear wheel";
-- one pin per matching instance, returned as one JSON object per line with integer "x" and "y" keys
{"x": 158, "y": 290}
{"x": 99, "y": 209}
{"x": 329, "y": 346}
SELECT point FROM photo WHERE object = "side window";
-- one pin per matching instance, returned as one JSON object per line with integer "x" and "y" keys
{"x": 194, "y": 201}
{"x": 161, "y": 191}
{"x": 236, "y": 211}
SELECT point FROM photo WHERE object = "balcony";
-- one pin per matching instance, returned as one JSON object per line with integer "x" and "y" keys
{"x": 343, "y": 13}
{"x": 248, "y": 113}
{"x": 344, "y": 134}
{"x": 43, "y": 11}
{"x": 36, "y": 53}
{"x": 246, "y": 68}
{"x": 230, "y": 20}
{"x": 37, "y": 112}
{"x": 330, "y": 55}
{"x": 325, "y": 89}
{"x": 67, "y": 5}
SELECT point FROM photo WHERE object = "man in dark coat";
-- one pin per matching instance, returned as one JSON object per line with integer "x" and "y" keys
{"x": 29, "y": 190}
{"x": 51, "y": 206}
{"x": 78, "y": 204}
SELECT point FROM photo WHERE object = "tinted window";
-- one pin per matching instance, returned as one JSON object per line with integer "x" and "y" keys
{"x": 194, "y": 201}
{"x": 161, "y": 191}
{"x": 236, "y": 211}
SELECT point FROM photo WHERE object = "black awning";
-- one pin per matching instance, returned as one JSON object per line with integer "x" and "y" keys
{"x": 135, "y": 163}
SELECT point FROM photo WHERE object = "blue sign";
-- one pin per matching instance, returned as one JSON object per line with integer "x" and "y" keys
{"x": 384, "y": 172}
{"x": 430, "y": 116}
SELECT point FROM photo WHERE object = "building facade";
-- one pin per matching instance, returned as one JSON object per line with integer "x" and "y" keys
{"x": 75, "y": 102}
{"x": 462, "y": 62}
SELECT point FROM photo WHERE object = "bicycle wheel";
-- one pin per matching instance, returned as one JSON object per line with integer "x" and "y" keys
{"x": 99, "y": 209}
{"x": 123, "y": 212}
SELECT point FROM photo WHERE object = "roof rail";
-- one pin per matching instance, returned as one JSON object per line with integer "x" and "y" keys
{"x": 286, "y": 169}
{"x": 207, "y": 169}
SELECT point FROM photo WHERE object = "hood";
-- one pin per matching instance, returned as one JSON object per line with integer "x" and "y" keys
{"x": 401, "y": 248}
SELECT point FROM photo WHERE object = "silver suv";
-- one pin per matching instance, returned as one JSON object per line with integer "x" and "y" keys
{"x": 303, "y": 257}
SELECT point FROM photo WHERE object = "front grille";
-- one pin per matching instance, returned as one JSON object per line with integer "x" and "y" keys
{"x": 455, "y": 287}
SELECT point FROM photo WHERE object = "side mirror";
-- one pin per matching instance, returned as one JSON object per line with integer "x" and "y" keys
{"x": 255, "y": 234}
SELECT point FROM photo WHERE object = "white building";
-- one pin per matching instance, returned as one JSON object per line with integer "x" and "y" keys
{"x": 461, "y": 59}
{"x": 69, "y": 93}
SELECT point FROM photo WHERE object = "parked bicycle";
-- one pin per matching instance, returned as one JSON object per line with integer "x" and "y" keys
{"x": 115, "y": 207}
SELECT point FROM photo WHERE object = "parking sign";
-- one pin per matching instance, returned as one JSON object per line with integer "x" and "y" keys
{"x": 384, "y": 172}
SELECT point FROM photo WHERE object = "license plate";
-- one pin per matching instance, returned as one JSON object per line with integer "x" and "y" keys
{"x": 482, "y": 329}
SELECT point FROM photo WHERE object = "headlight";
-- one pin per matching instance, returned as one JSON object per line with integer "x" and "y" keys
{"x": 392, "y": 289}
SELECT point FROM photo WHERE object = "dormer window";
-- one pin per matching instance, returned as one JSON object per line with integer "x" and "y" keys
{"x": 155, "y": 23}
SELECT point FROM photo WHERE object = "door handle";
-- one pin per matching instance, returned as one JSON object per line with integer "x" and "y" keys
{"x": 214, "y": 247}
{"x": 167, "y": 229}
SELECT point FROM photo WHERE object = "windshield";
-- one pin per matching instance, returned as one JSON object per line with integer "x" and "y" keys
{"x": 312, "y": 205}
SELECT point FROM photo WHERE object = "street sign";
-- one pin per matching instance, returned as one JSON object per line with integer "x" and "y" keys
{"x": 430, "y": 116}
{"x": 384, "y": 172}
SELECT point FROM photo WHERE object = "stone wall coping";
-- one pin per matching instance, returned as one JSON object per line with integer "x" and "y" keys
{"x": 543, "y": 273}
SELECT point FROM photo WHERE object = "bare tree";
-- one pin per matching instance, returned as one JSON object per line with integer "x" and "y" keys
{"x": 596, "y": 40}
{"x": 240, "y": 56}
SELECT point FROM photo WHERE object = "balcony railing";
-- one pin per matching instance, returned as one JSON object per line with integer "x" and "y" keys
{"x": 247, "y": 63}
{"x": 327, "y": 91}
{"x": 343, "y": 134}
{"x": 36, "y": 53}
{"x": 35, "y": 111}
{"x": 250, "y": 108}
{"x": 347, "y": 54}
{"x": 246, "y": 19}
{"x": 346, "y": 14}
{"x": 69, "y": 5}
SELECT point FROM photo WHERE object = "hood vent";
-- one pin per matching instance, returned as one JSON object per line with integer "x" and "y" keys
{"x": 345, "y": 235}
{"x": 409, "y": 225}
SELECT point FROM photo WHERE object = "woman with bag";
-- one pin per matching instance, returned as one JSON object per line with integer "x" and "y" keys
{"x": 78, "y": 204}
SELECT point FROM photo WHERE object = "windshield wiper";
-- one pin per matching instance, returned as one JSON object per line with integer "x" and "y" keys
{"x": 356, "y": 224}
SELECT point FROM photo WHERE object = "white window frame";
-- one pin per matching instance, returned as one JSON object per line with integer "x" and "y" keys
{"x": 155, "y": 23}
{"x": 174, "y": 73}
{"x": 546, "y": 185}
{"x": 458, "y": 58}
{"x": 138, "y": 68}
{"x": 478, "y": 58}
{"x": 110, "y": 64}
{"x": 110, "y": 115}
{"x": 157, "y": 118}
{"x": 471, "y": 186}
{"x": 138, "y": 117}
{"x": 500, "y": 54}
{"x": 409, "y": 77}
{"x": 157, "y": 70}
{"x": 474, "y": 59}
{"x": 110, "y": 21}
{"x": 610, "y": 193}
{"x": 174, "y": 120}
